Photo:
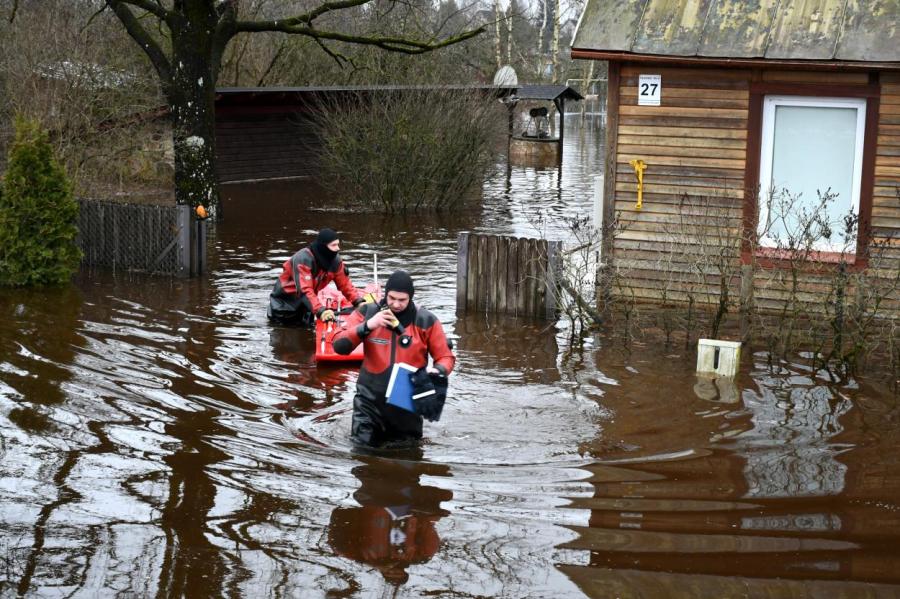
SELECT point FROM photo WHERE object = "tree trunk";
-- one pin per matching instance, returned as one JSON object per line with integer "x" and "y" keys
{"x": 191, "y": 95}
{"x": 509, "y": 35}
{"x": 587, "y": 85}
{"x": 555, "y": 48}
{"x": 540, "y": 46}
{"x": 497, "y": 48}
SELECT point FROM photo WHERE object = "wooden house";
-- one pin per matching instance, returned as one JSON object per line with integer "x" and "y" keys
{"x": 735, "y": 112}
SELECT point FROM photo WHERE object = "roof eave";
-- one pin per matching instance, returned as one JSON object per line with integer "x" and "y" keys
{"x": 818, "y": 65}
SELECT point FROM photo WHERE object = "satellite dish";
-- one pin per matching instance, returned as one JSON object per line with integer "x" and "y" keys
{"x": 506, "y": 77}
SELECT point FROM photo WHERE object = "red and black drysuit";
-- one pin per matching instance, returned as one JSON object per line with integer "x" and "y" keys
{"x": 376, "y": 422}
{"x": 295, "y": 296}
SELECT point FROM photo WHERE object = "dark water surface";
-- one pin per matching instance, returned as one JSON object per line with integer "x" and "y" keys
{"x": 160, "y": 439}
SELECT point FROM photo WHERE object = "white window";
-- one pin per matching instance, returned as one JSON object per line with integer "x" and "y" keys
{"x": 810, "y": 146}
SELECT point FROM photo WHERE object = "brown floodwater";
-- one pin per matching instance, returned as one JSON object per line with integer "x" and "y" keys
{"x": 160, "y": 439}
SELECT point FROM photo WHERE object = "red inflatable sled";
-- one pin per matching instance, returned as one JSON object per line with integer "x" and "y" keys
{"x": 332, "y": 299}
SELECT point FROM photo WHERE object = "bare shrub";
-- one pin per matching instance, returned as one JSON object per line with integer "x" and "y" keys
{"x": 409, "y": 149}
{"x": 81, "y": 80}
{"x": 805, "y": 290}
{"x": 821, "y": 296}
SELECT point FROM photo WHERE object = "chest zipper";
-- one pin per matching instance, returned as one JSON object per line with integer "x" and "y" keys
{"x": 393, "y": 348}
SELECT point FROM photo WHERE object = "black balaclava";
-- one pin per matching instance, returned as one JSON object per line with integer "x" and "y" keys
{"x": 402, "y": 282}
{"x": 324, "y": 256}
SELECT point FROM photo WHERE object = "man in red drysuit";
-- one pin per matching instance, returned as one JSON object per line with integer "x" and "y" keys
{"x": 394, "y": 331}
{"x": 294, "y": 300}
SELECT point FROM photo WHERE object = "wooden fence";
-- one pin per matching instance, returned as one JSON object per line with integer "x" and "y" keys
{"x": 152, "y": 239}
{"x": 507, "y": 275}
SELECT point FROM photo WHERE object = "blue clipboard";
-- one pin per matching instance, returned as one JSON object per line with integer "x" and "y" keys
{"x": 400, "y": 388}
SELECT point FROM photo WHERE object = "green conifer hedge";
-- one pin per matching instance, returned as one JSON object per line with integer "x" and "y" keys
{"x": 38, "y": 214}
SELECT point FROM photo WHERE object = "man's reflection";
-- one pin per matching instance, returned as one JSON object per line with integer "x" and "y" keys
{"x": 394, "y": 525}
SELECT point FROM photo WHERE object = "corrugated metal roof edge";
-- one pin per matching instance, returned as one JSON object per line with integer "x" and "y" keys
{"x": 353, "y": 88}
{"x": 823, "y": 65}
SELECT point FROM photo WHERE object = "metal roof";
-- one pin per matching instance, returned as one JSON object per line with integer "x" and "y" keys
{"x": 795, "y": 30}
{"x": 227, "y": 96}
{"x": 546, "y": 92}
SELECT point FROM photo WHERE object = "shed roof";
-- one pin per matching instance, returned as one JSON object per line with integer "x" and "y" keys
{"x": 546, "y": 92}
{"x": 245, "y": 96}
{"x": 812, "y": 30}
{"x": 226, "y": 96}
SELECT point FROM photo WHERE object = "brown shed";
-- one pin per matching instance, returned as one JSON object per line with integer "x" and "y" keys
{"x": 743, "y": 112}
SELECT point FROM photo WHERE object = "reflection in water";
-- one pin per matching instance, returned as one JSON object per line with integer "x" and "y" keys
{"x": 394, "y": 525}
{"x": 791, "y": 452}
{"x": 504, "y": 344}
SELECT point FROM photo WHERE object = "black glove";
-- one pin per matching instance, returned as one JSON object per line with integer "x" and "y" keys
{"x": 429, "y": 394}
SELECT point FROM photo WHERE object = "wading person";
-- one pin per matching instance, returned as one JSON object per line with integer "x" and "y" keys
{"x": 393, "y": 331}
{"x": 295, "y": 300}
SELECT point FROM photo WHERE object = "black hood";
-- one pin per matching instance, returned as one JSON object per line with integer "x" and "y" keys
{"x": 325, "y": 257}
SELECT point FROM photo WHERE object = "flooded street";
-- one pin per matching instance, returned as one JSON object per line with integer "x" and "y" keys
{"x": 160, "y": 439}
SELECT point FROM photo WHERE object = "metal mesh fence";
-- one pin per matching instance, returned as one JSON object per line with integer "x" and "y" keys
{"x": 130, "y": 237}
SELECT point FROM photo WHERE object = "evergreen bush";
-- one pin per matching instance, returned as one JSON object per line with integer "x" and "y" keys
{"x": 38, "y": 214}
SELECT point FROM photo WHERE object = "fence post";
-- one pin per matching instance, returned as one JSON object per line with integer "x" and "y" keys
{"x": 201, "y": 246}
{"x": 462, "y": 271}
{"x": 554, "y": 250}
{"x": 184, "y": 240}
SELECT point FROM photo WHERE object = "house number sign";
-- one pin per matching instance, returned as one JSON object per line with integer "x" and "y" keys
{"x": 649, "y": 90}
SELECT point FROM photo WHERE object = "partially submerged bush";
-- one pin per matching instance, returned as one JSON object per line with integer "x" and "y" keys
{"x": 410, "y": 149}
{"x": 37, "y": 214}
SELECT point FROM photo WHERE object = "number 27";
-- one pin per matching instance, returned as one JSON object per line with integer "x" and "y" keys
{"x": 649, "y": 89}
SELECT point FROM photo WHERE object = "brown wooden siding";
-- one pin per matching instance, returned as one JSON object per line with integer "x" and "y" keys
{"x": 251, "y": 146}
{"x": 695, "y": 148}
{"x": 698, "y": 147}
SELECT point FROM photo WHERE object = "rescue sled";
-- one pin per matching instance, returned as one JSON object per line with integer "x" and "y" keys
{"x": 332, "y": 299}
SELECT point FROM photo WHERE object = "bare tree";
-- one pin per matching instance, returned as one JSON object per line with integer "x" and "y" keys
{"x": 185, "y": 41}
{"x": 498, "y": 17}
{"x": 554, "y": 49}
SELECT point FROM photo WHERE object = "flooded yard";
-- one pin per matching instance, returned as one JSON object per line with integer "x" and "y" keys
{"x": 159, "y": 438}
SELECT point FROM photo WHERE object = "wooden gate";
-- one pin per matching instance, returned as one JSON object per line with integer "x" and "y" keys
{"x": 507, "y": 275}
{"x": 137, "y": 238}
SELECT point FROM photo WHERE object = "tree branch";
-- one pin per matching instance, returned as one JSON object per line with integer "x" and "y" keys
{"x": 90, "y": 21}
{"x": 155, "y": 8}
{"x": 394, "y": 44}
{"x": 304, "y": 19}
{"x": 225, "y": 30}
{"x": 337, "y": 56}
{"x": 262, "y": 79}
{"x": 144, "y": 40}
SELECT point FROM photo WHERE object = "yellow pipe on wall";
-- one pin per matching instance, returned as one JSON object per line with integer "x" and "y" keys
{"x": 639, "y": 166}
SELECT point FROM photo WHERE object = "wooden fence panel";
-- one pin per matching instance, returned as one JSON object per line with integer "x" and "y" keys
{"x": 522, "y": 279}
{"x": 502, "y": 255}
{"x": 512, "y": 276}
{"x": 462, "y": 269}
{"x": 483, "y": 285}
{"x": 474, "y": 269}
{"x": 507, "y": 275}
{"x": 493, "y": 274}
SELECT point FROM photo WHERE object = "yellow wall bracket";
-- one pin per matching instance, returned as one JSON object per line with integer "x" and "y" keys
{"x": 639, "y": 166}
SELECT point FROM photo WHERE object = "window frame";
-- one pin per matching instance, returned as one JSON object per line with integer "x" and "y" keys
{"x": 770, "y": 103}
{"x": 768, "y": 256}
